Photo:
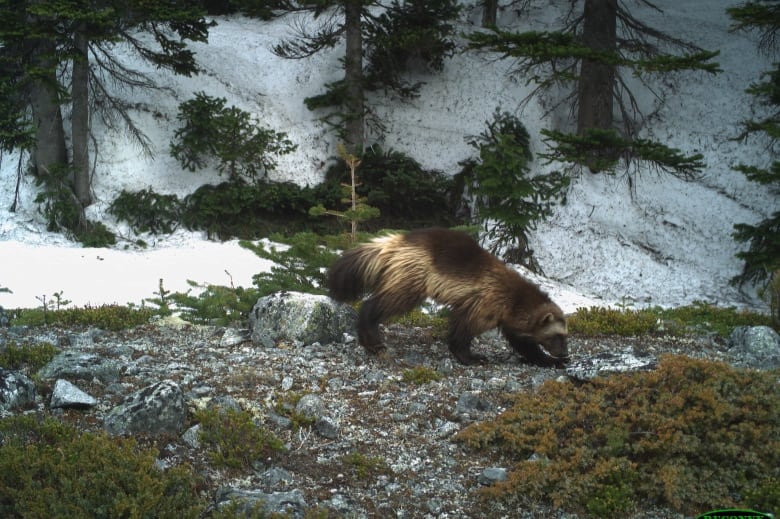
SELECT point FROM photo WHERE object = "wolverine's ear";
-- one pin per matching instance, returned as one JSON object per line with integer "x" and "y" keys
{"x": 548, "y": 318}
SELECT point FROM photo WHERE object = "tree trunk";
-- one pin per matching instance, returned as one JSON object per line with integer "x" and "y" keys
{"x": 595, "y": 91}
{"x": 489, "y": 12}
{"x": 50, "y": 151}
{"x": 80, "y": 120}
{"x": 353, "y": 77}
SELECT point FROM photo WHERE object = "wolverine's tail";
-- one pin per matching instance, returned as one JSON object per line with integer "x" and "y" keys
{"x": 355, "y": 272}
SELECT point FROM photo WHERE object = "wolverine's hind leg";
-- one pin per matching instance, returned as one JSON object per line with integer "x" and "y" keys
{"x": 377, "y": 309}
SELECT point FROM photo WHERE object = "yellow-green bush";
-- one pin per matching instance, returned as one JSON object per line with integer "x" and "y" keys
{"x": 106, "y": 317}
{"x": 49, "y": 469}
{"x": 233, "y": 438}
{"x": 696, "y": 318}
{"x": 609, "y": 321}
{"x": 691, "y": 436}
{"x": 32, "y": 356}
{"x": 420, "y": 375}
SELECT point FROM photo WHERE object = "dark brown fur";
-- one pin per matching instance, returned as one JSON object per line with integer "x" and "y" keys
{"x": 401, "y": 270}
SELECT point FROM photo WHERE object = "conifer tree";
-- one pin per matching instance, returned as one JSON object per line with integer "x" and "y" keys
{"x": 762, "y": 258}
{"x": 39, "y": 38}
{"x": 589, "y": 58}
{"x": 382, "y": 43}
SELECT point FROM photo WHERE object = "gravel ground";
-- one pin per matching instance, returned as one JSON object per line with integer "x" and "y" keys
{"x": 363, "y": 405}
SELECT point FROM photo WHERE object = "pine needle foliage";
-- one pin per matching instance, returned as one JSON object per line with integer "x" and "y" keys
{"x": 762, "y": 257}
{"x": 690, "y": 434}
{"x": 230, "y": 136}
{"x": 602, "y": 151}
{"x": 509, "y": 199}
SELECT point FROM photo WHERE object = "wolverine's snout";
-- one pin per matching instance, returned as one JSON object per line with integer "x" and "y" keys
{"x": 556, "y": 346}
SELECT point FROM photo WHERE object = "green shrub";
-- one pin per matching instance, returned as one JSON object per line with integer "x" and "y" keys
{"x": 33, "y": 356}
{"x": 691, "y": 434}
{"x": 216, "y": 305}
{"x": 228, "y": 135}
{"x": 233, "y": 438}
{"x": 421, "y": 375}
{"x": 49, "y": 469}
{"x": 106, "y": 317}
{"x": 510, "y": 201}
{"x": 248, "y": 211}
{"x": 147, "y": 211}
{"x": 364, "y": 468}
{"x": 406, "y": 195}
{"x": 300, "y": 264}
{"x": 63, "y": 212}
{"x": 685, "y": 320}
{"x": 608, "y": 321}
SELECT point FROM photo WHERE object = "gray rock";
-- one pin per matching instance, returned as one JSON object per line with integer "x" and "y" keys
{"x": 155, "y": 409}
{"x": 755, "y": 347}
{"x": 66, "y": 394}
{"x": 234, "y": 337}
{"x": 311, "y": 406}
{"x": 291, "y": 502}
{"x": 16, "y": 390}
{"x": 605, "y": 363}
{"x": 192, "y": 436}
{"x": 299, "y": 318}
{"x": 276, "y": 476}
{"x": 469, "y": 402}
{"x": 4, "y": 319}
{"x": 326, "y": 428}
{"x": 78, "y": 365}
{"x": 492, "y": 475}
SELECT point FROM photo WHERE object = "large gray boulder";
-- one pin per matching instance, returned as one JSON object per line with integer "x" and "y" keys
{"x": 300, "y": 318}
{"x": 79, "y": 365}
{"x": 755, "y": 347}
{"x": 156, "y": 409}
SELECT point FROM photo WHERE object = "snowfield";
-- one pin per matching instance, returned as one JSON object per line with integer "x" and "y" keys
{"x": 653, "y": 241}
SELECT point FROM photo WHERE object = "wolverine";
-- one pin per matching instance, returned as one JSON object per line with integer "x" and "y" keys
{"x": 400, "y": 271}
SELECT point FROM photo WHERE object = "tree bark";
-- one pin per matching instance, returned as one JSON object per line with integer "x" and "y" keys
{"x": 50, "y": 151}
{"x": 353, "y": 77}
{"x": 80, "y": 120}
{"x": 595, "y": 89}
{"x": 489, "y": 13}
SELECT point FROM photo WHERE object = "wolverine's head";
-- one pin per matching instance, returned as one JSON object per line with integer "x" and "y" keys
{"x": 551, "y": 333}
{"x": 542, "y": 337}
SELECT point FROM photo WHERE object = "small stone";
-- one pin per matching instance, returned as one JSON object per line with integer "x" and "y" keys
{"x": 326, "y": 428}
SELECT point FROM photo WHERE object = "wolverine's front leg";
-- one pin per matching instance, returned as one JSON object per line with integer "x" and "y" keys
{"x": 459, "y": 339}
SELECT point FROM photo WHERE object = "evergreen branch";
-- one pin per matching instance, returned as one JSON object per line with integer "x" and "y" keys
{"x": 601, "y": 150}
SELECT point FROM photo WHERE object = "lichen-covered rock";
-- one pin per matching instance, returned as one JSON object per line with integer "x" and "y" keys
{"x": 605, "y": 363}
{"x": 155, "y": 409}
{"x": 16, "y": 390}
{"x": 288, "y": 503}
{"x": 300, "y": 318}
{"x": 79, "y": 365}
{"x": 755, "y": 347}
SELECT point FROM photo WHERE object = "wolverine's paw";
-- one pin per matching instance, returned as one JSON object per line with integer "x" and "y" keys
{"x": 470, "y": 359}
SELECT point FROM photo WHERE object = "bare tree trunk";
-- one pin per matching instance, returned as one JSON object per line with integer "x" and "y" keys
{"x": 489, "y": 12}
{"x": 80, "y": 120}
{"x": 353, "y": 76}
{"x": 595, "y": 94}
{"x": 50, "y": 151}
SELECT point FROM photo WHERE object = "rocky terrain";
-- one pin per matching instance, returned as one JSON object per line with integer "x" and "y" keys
{"x": 357, "y": 405}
